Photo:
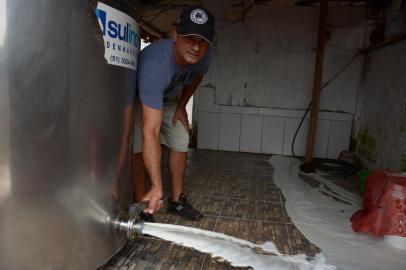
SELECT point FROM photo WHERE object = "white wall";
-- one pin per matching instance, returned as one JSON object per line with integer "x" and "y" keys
{"x": 265, "y": 130}
{"x": 268, "y": 59}
{"x": 261, "y": 80}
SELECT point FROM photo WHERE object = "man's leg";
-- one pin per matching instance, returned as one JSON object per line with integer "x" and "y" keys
{"x": 176, "y": 138}
{"x": 177, "y": 166}
{"x": 138, "y": 176}
{"x": 179, "y": 203}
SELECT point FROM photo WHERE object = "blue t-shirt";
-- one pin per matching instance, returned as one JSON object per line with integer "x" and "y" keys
{"x": 160, "y": 76}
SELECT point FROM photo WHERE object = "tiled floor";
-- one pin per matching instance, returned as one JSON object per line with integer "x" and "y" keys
{"x": 237, "y": 194}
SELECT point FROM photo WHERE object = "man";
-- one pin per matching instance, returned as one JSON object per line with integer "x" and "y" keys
{"x": 169, "y": 72}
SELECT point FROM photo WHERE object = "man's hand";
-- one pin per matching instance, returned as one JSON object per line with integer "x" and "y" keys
{"x": 154, "y": 197}
{"x": 181, "y": 115}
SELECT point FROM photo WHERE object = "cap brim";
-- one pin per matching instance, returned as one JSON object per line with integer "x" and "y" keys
{"x": 203, "y": 37}
{"x": 206, "y": 35}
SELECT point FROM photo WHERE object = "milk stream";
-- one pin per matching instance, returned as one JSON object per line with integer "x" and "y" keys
{"x": 237, "y": 252}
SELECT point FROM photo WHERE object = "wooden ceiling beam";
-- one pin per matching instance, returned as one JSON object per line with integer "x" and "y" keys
{"x": 151, "y": 30}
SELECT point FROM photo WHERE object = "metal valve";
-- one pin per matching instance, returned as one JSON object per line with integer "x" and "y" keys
{"x": 129, "y": 224}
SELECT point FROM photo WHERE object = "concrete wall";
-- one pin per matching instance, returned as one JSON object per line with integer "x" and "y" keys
{"x": 380, "y": 125}
{"x": 262, "y": 74}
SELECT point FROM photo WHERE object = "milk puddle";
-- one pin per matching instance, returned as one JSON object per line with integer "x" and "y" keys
{"x": 237, "y": 252}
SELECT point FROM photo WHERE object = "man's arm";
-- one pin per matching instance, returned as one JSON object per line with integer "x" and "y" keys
{"x": 151, "y": 149}
{"x": 180, "y": 113}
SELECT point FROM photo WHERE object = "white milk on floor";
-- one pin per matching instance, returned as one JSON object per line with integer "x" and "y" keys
{"x": 237, "y": 252}
{"x": 326, "y": 222}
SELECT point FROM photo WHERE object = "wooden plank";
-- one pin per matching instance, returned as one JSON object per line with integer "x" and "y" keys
{"x": 318, "y": 74}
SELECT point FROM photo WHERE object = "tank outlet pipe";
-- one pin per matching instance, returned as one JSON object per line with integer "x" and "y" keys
{"x": 127, "y": 226}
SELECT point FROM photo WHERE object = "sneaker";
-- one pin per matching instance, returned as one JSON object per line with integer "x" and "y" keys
{"x": 147, "y": 217}
{"x": 183, "y": 208}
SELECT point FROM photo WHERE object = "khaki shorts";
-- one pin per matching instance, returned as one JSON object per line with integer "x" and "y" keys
{"x": 175, "y": 137}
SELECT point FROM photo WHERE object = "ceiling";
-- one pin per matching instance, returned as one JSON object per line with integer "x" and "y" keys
{"x": 157, "y": 16}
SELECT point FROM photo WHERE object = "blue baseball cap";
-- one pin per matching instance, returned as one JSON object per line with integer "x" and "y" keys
{"x": 198, "y": 21}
